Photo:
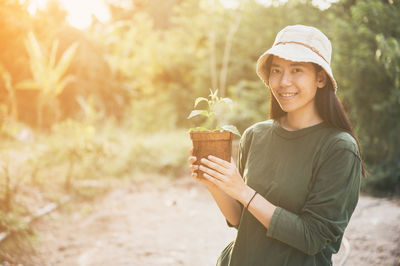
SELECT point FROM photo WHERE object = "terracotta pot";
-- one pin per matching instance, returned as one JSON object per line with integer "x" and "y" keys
{"x": 216, "y": 143}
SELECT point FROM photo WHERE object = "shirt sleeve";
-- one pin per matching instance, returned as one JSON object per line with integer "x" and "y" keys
{"x": 328, "y": 208}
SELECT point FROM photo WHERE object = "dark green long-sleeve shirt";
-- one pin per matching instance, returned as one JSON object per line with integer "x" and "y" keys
{"x": 312, "y": 175}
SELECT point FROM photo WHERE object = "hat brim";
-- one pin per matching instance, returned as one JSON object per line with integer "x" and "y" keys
{"x": 293, "y": 52}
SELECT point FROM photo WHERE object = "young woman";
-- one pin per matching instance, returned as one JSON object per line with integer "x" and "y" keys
{"x": 298, "y": 175}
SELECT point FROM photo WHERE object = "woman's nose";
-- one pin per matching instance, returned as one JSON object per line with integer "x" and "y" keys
{"x": 286, "y": 79}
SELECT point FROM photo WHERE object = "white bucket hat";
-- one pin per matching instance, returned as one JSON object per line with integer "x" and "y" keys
{"x": 299, "y": 43}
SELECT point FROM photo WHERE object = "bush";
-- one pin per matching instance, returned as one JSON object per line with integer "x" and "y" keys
{"x": 366, "y": 64}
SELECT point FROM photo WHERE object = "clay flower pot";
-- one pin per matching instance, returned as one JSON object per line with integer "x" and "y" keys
{"x": 216, "y": 143}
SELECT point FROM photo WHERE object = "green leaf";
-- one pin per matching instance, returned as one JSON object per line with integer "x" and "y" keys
{"x": 200, "y": 99}
{"x": 227, "y": 101}
{"x": 63, "y": 83}
{"x": 28, "y": 85}
{"x": 53, "y": 54}
{"x": 65, "y": 60}
{"x": 213, "y": 95}
{"x": 232, "y": 129}
{"x": 198, "y": 112}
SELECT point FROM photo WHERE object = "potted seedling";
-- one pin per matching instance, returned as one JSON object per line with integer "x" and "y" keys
{"x": 212, "y": 139}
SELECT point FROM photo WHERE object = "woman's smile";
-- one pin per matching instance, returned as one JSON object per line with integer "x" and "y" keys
{"x": 294, "y": 84}
{"x": 287, "y": 95}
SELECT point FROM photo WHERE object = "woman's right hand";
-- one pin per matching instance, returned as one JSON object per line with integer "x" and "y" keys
{"x": 194, "y": 167}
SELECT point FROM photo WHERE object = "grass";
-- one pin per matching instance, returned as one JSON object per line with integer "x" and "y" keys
{"x": 92, "y": 158}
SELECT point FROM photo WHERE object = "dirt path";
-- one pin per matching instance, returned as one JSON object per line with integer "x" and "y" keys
{"x": 177, "y": 223}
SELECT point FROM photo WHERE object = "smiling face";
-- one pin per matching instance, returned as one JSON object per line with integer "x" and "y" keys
{"x": 294, "y": 85}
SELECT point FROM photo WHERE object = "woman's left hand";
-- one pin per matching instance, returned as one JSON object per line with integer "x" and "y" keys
{"x": 225, "y": 176}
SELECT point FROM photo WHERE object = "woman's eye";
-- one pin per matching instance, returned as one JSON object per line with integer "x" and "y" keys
{"x": 296, "y": 70}
{"x": 275, "y": 71}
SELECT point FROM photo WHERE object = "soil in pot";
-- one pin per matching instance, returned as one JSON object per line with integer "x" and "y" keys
{"x": 216, "y": 143}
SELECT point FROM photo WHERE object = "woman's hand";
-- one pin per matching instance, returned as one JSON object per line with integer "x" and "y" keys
{"x": 226, "y": 177}
{"x": 194, "y": 167}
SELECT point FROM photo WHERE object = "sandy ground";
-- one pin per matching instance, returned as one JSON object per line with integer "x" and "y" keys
{"x": 177, "y": 223}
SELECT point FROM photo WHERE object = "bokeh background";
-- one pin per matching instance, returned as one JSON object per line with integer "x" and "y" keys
{"x": 94, "y": 92}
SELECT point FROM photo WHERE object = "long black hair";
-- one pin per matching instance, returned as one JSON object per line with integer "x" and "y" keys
{"x": 329, "y": 108}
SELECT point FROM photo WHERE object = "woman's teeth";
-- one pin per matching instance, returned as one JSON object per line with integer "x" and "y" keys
{"x": 287, "y": 94}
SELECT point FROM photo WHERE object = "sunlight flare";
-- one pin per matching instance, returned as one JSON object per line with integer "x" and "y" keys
{"x": 79, "y": 12}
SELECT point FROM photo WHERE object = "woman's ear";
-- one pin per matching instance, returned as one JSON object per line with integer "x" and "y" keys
{"x": 321, "y": 79}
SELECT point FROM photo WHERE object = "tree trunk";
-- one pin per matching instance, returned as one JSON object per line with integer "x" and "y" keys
{"x": 213, "y": 61}
{"x": 227, "y": 50}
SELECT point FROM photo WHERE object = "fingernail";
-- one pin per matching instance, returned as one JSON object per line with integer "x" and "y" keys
{"x": 210, "y": 157}
{"x": 203, "y": 160}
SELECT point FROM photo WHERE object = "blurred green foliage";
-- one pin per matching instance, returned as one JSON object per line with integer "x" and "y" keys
{"x": 49, "y": 76}
{"x": 367, "y": 66}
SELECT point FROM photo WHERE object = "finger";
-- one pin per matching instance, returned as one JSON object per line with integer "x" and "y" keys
{"x": 192, "y": 159}
{"x": 202, "y": 180}
{"x": 219, "y": 161}
{"x": 191, "y": 152}
{"x": 214, "y": 166}
{"x": 212, "y": 173}
{"x": 233, "y": 161}
{"x": 193, "y": 167}
{"x": 197, "y": 178}
{"x": 213, "y": 180}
